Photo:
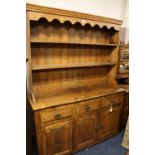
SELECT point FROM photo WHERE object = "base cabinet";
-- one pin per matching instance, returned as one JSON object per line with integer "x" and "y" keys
{"x": 85, "y": 124}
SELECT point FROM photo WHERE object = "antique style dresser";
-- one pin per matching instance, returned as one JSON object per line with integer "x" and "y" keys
{"x": 73, "y": 100}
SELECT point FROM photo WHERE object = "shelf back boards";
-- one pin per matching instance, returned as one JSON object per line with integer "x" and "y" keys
{"x": 69, "y": 49}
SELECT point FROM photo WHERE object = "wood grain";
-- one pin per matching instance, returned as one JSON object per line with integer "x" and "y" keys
{"x": 49, "y": 67}
{"x": 37, "y": 12}
{"x": 72, "y": 34}
{"x": 71, "y": 69}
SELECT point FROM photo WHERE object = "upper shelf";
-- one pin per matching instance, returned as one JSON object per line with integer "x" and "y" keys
{"x": 76, "y": 43}
{"x": 36, "y": 12}
{"x": 48, "y": 67}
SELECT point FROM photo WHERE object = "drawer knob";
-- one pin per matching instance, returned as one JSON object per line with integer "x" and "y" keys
{"x": 57, "y": 116}
{"x": 88, "y": 108}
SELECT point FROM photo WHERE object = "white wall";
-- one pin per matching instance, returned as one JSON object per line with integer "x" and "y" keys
{"x": 125, "y": 13}
{"x": 125, "y": 24}
{"x": 106, "y": 8}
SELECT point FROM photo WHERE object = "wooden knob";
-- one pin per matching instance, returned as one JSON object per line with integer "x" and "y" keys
{"x": 57, "y": 116}
{"x": 88, "y": 108}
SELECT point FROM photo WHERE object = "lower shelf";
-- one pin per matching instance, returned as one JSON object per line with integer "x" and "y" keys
{"x": 125, "y": 86}
{"x": 54, "y": 95}
{"x": 93, "y": 64}
{"x": 122, "y": 76}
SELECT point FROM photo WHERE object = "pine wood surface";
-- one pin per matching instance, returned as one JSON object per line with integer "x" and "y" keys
{"x": 36, "y": 12}
{"x": 47, "y": 95}
{"x": 71, "y": 68}
{"x": 48, "y": 67}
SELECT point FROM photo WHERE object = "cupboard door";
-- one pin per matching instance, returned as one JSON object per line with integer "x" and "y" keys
{"x": 87, "y": 126}
{"x": 109, "y": 119}
{"x": 58, "y": 139}
{"x": 125, "y": 111}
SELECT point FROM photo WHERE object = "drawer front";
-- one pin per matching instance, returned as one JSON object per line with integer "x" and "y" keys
{"x": 57, "y": 113}
{"x": 88, "y": 105}
{"x": 113, "y": 99}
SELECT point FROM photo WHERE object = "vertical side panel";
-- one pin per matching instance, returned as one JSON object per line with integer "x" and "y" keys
{"x": 28, "y": 55}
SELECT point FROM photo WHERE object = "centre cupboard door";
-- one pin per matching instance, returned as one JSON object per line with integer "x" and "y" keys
{"x": 87, "y": 126}
{"x": 58, "y": 138}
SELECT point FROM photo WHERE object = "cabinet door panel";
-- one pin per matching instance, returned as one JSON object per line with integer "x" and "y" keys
{"x": 87, "y": 125}
{"x": 109, "y": 119}
{"x": 58, "y": 138}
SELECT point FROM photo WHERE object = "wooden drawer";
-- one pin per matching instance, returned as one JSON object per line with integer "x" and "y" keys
{"x": 88, "y": 105}
{"x": 113, "y": 99}
{"x": 57, "y": 113}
